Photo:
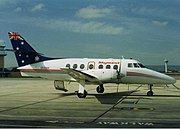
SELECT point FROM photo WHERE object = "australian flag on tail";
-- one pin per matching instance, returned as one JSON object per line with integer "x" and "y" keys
{"x": 24, "y": 53}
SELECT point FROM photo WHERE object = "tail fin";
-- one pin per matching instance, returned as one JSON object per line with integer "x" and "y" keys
{"x": 24, "y": 53}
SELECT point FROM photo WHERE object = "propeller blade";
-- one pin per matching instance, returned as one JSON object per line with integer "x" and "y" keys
{"x": 119, "y": 74}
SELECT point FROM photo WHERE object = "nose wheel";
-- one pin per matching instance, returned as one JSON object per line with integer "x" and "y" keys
{"x": 150, "y": 92}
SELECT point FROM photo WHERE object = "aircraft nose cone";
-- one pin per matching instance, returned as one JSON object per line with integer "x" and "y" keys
{"x": 170, "y": 80}
{"x": 164, "y": 79}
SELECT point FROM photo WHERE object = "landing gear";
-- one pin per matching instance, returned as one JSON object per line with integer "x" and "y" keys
{"x": 100, "y": 89}
{"x": 150, "y": 92}
{"x": 82, "y": 95}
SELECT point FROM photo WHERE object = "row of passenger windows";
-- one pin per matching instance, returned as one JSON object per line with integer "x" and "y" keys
{"x": 91, "y": 66}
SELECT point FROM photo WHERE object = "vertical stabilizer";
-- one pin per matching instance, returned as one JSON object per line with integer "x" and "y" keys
{"x": 24, "y": 53}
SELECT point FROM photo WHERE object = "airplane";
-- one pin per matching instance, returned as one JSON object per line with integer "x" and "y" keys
{"x": 85, "y": 71}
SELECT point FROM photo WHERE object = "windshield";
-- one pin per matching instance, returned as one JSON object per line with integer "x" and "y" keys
{"x": 135, "y": 65}
{"x": 141, "y": 65}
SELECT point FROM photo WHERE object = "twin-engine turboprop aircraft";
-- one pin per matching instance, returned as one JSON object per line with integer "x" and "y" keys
{"x": 83, "y": 70}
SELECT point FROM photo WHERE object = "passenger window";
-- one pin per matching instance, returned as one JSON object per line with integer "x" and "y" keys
{"x": 100, "y": 67}
{"x": 68, "y": 65}
{"x": 75, "y": 66}
{"x": 82, "y": 66}
{"x": 108, "y": 66}
{"x": 91, "y": 66}
{"x": 136, "y": 65}
{"x": 115, "y": 67}
{"x": 130, "y": 65}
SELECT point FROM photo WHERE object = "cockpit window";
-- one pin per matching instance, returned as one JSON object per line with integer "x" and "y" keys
{"x": 141, "y": 65}
{"x": 136, "y": 65}
{"x": 130, "y": 65}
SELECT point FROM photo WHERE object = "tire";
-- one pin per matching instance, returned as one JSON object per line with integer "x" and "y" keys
{"x": 80, "y": 95}
{"x": 149, "y": 93}
{"x": 100, "y": 89}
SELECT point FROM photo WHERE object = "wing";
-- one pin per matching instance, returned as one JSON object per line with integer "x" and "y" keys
{"x": 79, "y": 75}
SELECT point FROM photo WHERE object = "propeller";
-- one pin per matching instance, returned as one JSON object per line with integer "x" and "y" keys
{"x": 119, "y": 76}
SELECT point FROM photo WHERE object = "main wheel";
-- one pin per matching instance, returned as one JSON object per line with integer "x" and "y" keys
{"x": 100, "y": 89}
{"x": 80, "y": 95}
{"x": 150, "y": 93}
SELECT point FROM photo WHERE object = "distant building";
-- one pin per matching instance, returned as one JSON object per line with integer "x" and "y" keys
{"x": 2, "y": 55}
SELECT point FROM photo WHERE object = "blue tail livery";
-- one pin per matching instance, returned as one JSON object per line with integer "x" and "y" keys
{"x": 24, "y": 53}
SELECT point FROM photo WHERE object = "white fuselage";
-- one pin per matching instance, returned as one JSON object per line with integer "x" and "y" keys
{"x": 106, "y": 70}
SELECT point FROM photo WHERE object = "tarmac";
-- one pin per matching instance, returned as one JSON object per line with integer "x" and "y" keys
{"x": 32, "y": 102}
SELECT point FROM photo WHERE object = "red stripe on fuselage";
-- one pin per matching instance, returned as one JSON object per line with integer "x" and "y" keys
{"x": 141, "y": 75}
{"x": 42, "y": 70}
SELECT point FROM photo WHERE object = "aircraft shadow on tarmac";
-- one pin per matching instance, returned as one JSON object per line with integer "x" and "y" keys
{"x": 105, "y": 98}
{"x": 112, "y": 98}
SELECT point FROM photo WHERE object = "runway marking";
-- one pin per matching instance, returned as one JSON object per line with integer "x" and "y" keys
{"x": 120, "y": 101}
{"x": 109, "y": 109}
{"x": 126, "y": 123}
{"x": 131, "y": 101}
{"x": 29, "y": 104}
{"x": 150, "y": 109}
{"x": 132, "y": 108}
{"x": 138, "y": 87}
{"x": 128, "y": 102}
{"x": 103, "y": 122}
